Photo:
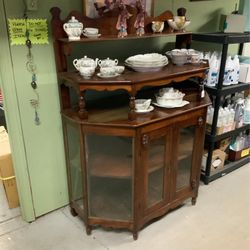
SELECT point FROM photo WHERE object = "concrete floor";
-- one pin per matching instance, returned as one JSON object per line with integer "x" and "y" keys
{"x": 220, "y": 220}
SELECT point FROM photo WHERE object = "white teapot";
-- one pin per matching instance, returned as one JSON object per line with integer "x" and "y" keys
{"x": 85, "y": 62}
{"x": 73, "y": 28}
{"x": 108, "y": 62}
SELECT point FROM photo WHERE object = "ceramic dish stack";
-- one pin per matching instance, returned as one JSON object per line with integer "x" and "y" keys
{"x": 147, "y": 62}
{"x": 170, "y": 98}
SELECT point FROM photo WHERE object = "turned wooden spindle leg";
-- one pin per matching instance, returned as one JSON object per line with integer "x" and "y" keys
{"x": 83, "y": 114}
{"x": 202, "y": 89}
{"x": 131, "y": 114}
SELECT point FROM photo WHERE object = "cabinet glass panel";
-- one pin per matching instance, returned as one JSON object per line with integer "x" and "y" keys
{"x": 184, "y": 166}
{"x": 109, "y": 166}
{"x": 74, "y": 163}
{"x": 156, "y": 163}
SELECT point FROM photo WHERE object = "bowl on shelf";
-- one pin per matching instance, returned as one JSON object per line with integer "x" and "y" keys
{"x": 169, "y": 97}
{"x": 178, "y": 24}
{"x": 157, "y": 26}
{"x": 178, "y": 56}
{"x": 86, "y": 72}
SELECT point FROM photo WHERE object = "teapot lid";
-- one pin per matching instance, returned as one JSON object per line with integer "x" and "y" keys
{"x": 85, "y": 58}
{"x": 73, "y": 20}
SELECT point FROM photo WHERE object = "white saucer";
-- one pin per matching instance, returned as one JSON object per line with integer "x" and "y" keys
{"x": 171, "y": 106}
{"x": 151, "y": 108}
{"x": 91, "y": 36}
{"x": 110, "y": 76}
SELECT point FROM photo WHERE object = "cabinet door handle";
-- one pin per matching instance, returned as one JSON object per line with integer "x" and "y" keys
{"x": 200, "y": 121}
{"x": 145, "y": 140}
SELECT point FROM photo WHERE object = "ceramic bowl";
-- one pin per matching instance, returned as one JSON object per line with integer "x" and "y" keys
{"x": 164, "y": 101}
{"x": 178, "y": 57}
{"x": 157, "y": 26}
{"x": 178, "y": 25}
{"x": 86, "y": 72}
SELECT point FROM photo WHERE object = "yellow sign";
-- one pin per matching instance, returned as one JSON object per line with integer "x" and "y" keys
{"x": 37, "y": 28}
{"x": 245, "y": 152}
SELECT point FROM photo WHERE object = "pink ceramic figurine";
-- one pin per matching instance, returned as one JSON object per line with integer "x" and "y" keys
{"x": 122, "y": 21}
{"x": 139, "y": 21}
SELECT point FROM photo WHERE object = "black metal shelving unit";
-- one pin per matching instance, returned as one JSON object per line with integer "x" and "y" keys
{"x": 218, "y": 92}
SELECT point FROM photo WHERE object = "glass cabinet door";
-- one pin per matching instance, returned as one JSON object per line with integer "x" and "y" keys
{"x": 185, "y": 157}
{"x": 155, "y": 171}
{"x": 155, "y": 159}
{"x": 73, "y": 159}
{"x": 109, "y": 162}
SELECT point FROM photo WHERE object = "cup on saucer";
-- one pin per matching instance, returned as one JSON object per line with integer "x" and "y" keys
{"x": 119, "y": 69}
{"x": 91, "y": 31}
{"x": 107, "y": 71}
{"x": 142, "y": 104}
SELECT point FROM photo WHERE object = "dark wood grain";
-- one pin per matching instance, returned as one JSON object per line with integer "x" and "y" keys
{"x": 118, "y": 119}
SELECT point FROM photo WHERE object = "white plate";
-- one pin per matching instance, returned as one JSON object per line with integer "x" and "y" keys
{"x": 103, "y": 76}
{"x": 171, "y": 106}
{"x": 91, "y": 36}
{"x": 145, "y": 69}
{"x": 151, "y": 108}
{"x": 157, "y": 64}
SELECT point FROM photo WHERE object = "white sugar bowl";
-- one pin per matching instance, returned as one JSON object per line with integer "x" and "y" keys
{"x": 86, "y": 72}
{"x": 73, "y": 28}
{"x": 107, "y": 62}
{"x": 85, "y": 62}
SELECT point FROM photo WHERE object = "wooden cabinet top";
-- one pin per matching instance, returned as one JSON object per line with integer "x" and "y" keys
{"x": 133, "y": 81}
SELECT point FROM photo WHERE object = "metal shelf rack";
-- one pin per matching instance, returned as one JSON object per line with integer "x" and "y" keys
{"x": 218, "y": 92}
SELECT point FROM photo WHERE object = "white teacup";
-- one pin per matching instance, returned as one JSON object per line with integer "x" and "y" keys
{"x": 108, "y": 71}
{"x": 142, "y": 104}
{"x": 86, "y": 72}
{"x": 195, "y": 58}
{"x": 119, "y": 69}
{"x": 91, "y": 31}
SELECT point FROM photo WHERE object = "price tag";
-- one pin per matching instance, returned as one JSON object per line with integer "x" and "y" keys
{"x": 38, "y": 31}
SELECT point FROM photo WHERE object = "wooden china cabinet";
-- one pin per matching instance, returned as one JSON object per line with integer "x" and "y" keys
{"x": 124, "y": 168}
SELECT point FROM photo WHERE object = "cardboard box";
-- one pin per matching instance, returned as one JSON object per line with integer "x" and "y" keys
{"x": 237, "y": 155}
{"x": 217, "y": 163}
{"x": 244, "y": 73}
{"x": 233, "y": 23}
{"x": 6, "y": 170}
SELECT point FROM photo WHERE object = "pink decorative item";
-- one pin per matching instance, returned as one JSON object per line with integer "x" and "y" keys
{"x": 139, "y": 21}
{"x": 122, "y": 21}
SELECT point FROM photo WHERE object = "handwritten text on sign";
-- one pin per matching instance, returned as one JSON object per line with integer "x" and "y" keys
{"x": 38, "y": 31}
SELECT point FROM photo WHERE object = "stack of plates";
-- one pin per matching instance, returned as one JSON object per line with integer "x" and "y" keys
{"x": 147, "y": 62}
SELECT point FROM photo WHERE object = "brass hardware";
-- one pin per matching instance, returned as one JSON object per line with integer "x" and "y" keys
{"x": 200, "y": 121}
{"x": 145, "y": 139}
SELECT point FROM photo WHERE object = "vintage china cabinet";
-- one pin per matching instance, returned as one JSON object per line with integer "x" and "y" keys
{"x": 124, "y": 168}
